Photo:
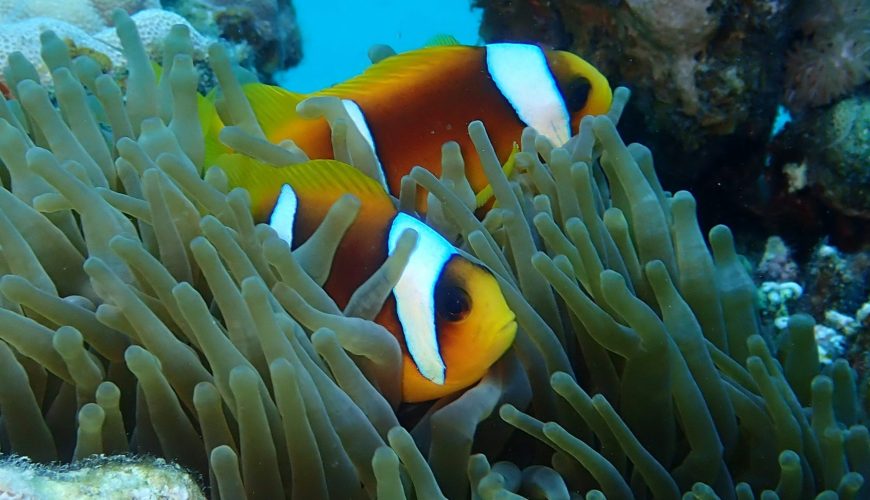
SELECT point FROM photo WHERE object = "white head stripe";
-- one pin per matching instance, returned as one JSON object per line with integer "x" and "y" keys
{"x": 415, "y": 294}
{"x": 359, "y": 120}
{"x": 521, "y": 73}
{"x": 284, "y": 214}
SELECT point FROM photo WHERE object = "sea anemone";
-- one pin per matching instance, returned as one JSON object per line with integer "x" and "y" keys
{"x": 144, "y": 312}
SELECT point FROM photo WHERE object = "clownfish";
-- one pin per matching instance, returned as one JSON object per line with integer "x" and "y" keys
{"x": 407, "y": 106}
{"x": 447, "y": 312}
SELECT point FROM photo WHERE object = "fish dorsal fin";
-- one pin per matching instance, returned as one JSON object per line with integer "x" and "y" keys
{"x": 403, "y": 67}
{"x": 272, "y": 105}
{"x": 314, "y": 179}
{"x": 442, "y": 40}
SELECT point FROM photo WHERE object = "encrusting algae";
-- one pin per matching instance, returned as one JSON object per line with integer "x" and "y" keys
{"x": 144, "y": 312}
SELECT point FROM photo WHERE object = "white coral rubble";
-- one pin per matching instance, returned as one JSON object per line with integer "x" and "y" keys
{"x": 153, "y": 26}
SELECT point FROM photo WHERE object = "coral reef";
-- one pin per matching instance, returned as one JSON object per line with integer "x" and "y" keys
{"x": 827, "y": 284}
{"x": 265, "y": 31}
{"x": 143, "y": 311}
{"x": 99, "y": 477}
{"x": 89, "y": 15}
{"x": 832, "y": 54}
{"x": 707, "y": 77}
{"x": 102, "y": 45}
{"x": 837, "y": 286}
{"x": 839, "y": 145}
{"x": 697, "y": 69}
{"x": 675, "y": 31}
{"x": 777, "y": 262}
{"x": 817, "y": 174}
{"x": 774, "y": 299}
{"x": 835, "y": 280}
{"x": 153, "y": 26}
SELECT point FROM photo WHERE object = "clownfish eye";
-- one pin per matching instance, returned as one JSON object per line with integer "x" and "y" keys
{"x": 576, "y": 93}
{"x": 452, "y": 303}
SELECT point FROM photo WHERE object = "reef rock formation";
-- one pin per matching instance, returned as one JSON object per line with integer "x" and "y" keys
{"x": 265, "y": 30}
{"x": 698, "y": 69}
{"x": 89, "y": 15}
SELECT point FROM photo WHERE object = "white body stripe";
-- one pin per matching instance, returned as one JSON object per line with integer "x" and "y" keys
{"x": 415, "y": 294}
{"x": 359, "y": 120}
{"x": 284, "y": 214}
{"x": 521, "y": 73}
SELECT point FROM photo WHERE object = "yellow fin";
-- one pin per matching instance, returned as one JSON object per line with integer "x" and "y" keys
{"x": 158, "y": 70}
{"x": 211, "y": 128}
{"x": 208, "y": 118}
{"x": 485, "y": 194}
{"x": 327, "y": 179}
{"x": 273, "y": 106}
{"x": 442, "y": 40}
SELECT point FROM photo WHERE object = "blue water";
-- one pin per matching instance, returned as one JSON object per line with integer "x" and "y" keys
{"x": 336, "y": 35}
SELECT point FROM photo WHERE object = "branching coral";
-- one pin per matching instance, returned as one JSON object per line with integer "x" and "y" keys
{"x": 143, "y": 311}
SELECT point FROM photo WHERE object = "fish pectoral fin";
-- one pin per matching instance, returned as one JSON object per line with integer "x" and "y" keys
{"x": 484, "y": 195}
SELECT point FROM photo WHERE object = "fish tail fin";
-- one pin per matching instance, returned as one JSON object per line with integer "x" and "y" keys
{"x": 485, "y": 195}
{"x": 208, "y": 118}
{"x": 263, "y": 181}
{"x": 211, "y": 127}
{"x": 273, "y": 106}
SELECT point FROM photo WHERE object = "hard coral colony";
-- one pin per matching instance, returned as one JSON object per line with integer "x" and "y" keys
{"x": 190, "y": 333}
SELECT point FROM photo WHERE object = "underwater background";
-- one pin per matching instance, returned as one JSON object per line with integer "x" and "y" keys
{"x": 688, "y": 272}
{"x": 340, "y": 52}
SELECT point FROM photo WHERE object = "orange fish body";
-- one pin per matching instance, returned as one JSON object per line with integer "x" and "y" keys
{"x": 410, "y": 104}
{"x": 444, "y": 306}
{"x": 436, "y": 107}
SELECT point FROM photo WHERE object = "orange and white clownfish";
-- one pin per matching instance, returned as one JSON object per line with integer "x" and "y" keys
{"x": 447, "y": 312}
{"x": 408, "y": 105}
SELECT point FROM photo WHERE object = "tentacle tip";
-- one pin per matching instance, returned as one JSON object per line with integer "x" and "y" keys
{"x": 560, "y": 380}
